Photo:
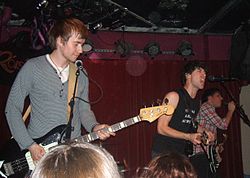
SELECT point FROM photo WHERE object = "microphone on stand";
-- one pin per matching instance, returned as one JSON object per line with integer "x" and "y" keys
{"x": 78, "y": 64}
{"x": 221, "y": 79}
{"x": 224, "y": 103}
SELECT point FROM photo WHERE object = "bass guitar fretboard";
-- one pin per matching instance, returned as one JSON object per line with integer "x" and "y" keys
{"x": 113, "y": 128}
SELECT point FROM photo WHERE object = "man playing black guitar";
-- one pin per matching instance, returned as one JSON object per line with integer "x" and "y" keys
{"x": 208, "y": 119}
{"x": 45, "y": 80}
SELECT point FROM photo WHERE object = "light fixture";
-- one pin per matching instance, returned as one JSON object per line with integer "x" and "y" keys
{"x": 123, "y": 48}
{"x": 152, "y": 49}
{"x": 88, "y": 46}
{"x": 185, "y": 49}
{"x": 94, "y": 27}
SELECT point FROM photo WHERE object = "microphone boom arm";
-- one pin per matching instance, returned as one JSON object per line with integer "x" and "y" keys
{"x": 131, "y": 13}
{"x": 239, "y": 108}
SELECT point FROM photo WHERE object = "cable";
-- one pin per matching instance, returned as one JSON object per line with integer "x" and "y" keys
{"x": 98, "y": 86}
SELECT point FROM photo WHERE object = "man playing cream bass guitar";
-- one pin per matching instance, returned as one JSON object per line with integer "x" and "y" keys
{"x": 15, "y": 163}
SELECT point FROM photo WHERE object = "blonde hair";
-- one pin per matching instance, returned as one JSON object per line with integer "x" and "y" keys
{"x": 76, "y": 160}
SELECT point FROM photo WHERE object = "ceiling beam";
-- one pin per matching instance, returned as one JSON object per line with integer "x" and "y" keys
{"x": 218, "y": 16}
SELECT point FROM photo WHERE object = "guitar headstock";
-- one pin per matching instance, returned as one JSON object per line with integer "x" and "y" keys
{"x": 152, "y": 113}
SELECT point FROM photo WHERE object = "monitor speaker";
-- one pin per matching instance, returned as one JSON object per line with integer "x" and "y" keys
{"x": 240, "y": 53}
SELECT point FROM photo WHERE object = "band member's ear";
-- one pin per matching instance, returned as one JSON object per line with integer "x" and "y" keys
{"x": 60, "y": 41}
{"x": 209, "y": 98}
{"x": 187, "y": 75}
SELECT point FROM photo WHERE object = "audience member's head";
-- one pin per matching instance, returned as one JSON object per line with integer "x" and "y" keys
{"x": 76, "y": 160}
{"x": 169, "y": 165}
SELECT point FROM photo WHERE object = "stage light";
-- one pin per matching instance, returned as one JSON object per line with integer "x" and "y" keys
{"x": 185, "y": 49}
{"x": 123, "y": 48}
{"x": 88, "y": 46}
{"x": 93, "y": 28}
{"x": 152, "y": 49}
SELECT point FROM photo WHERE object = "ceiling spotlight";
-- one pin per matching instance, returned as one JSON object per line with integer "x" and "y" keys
{"x": 152, "y": 49}
{"x": 94, "y": 27}
{"x": 185, "y": 49}
{"x": 123, "y": 48}
{"x": 87, "y": 46}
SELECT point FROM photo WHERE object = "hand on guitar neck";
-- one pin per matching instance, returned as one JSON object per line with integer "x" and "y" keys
{"x": 103, "y": 135}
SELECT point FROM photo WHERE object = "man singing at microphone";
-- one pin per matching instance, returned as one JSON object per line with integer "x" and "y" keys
{"x": 210, "y": 120}
{"x": 45, "y": 81}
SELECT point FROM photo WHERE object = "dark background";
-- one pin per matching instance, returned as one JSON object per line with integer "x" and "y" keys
{"x": 225, "y": 15}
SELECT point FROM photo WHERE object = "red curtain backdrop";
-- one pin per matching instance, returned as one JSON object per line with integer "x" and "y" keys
{"x": 125, "y": 94}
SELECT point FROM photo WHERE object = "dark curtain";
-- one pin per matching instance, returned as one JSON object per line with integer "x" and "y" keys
{"x": 128, "y": 86}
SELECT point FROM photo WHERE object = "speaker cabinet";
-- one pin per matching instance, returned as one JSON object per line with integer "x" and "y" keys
{"x": 240, "y": 53}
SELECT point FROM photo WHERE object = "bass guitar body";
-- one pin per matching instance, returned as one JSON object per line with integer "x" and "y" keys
{"x": 15, "y": 163}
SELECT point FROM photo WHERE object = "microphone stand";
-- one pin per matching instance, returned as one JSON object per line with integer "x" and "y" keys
{"x": 239, "y": 108}
{"x": 69, "y": 127}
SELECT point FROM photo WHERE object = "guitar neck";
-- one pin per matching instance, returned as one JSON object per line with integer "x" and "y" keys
{"x": 113, "y": 128}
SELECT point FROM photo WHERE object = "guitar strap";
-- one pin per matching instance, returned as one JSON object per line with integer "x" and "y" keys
{"x": 27, "y": 112}
{"x": 71, "y": 80}
{"x": 211, "y": 162}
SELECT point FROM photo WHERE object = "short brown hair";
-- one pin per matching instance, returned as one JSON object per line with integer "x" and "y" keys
{"x": 209, "y": 92}
{"x": 65, "y": 28}
{"x": 170, "y": 164}
{"x": 189, "y": 68}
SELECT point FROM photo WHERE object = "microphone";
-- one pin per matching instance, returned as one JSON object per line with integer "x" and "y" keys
{"x": 224, "y": 103}
{"x": 220, "y": 79}
{"x": 78, "y": 64}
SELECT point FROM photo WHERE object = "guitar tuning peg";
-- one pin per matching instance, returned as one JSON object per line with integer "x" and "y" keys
{"x": 153, "y": 104}
{"x": 159, "y": 102}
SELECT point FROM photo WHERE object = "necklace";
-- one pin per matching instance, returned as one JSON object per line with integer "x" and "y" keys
{"x": 59, "y": 69}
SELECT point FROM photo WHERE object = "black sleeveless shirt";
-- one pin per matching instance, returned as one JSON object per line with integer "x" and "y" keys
{"x": 182, "y": 120}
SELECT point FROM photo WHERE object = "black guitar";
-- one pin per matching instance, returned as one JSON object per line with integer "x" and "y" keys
{"x": 17, "y": 163}
{"x": 213, "y": 153}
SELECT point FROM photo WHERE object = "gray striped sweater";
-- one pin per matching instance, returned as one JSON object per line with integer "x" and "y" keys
{"x": 48, "y": 96}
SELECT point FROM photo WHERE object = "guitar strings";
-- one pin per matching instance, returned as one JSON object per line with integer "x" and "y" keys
{"x": 20, "y": 164}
